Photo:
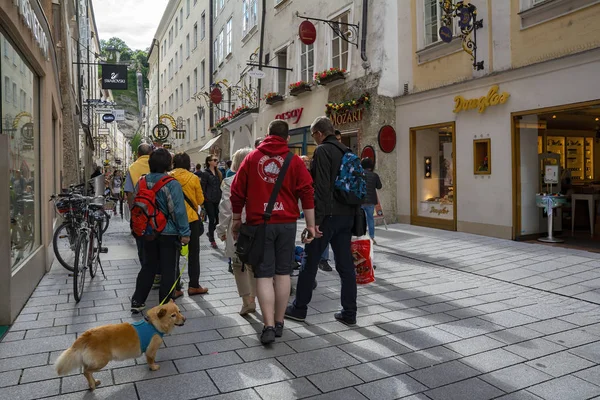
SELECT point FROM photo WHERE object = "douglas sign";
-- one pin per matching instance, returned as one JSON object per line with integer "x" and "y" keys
{"x": 114, "y": 77}
{"x": 296, "y": 113}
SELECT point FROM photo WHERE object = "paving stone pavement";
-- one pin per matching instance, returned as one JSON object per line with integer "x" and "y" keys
{"x": 451, "y": 316}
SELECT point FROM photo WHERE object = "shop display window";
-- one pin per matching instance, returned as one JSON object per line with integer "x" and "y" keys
{"x": 19, "y": 121}
{"x": 433, "y": 172}
{"x": 482, "y": 154}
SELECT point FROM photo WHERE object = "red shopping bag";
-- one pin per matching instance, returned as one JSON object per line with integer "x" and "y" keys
{"x": 362, "y": 255}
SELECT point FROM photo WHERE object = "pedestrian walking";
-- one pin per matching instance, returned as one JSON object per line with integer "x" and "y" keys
{"x": 136, "y": 170}
{"x": 116, "y": 188}
{"x": 161, "y": 254}
{"x": 252, "y": 188}
{"x": 373, "y": 183}
{"x": 211, "y": 186}
{"x": 243, "y": 274}
{"x": 193, "y": 196}
{"x": 334, "y": 220}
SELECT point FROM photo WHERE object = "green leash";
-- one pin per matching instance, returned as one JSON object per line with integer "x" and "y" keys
{"x": 184, "y": 252}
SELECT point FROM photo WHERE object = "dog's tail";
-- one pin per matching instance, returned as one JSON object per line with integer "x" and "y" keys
{"x": 69, "y": 360}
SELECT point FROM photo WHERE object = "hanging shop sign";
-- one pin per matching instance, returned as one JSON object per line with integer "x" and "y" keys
{"x": 119, "y": 115}
{"x": 108, "y": 118}
{"x": 307, "y": 33}
{"x": 114, "y": 77}
{"x": 216, "y": 96}
{"x": 160, "y": 133}
{"x": 387, "y": 139}
{"x": 295, "y": 113}
{"x": 33, "y": 23}
{"x": 445, "y": 34}
{"x": 493, "y": 98}
{"x": 118, "y": 161}
{"x": 347, "y": 117}
{"x": 256, "y": 73}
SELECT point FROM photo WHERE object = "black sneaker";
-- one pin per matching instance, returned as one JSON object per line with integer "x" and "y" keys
{"x": 268, "y": 335}
{"x": 296, "y": 315}
{"x": 278, "y": 329}
{"x": 137, "y": 307}
{"x": 324, "y": 266}
{"x": 344, "y": 320}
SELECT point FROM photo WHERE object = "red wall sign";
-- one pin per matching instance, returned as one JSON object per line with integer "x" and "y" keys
{"x": 216, "y": 96}
{"x": 307, "y": 33}
{"x": 296, "y": 113}
{"x": 387, "y": 139}
{"x": 368, "y": 152}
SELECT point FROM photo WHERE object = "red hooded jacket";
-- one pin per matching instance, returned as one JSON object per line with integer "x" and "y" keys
{"x": 256, "y": 177}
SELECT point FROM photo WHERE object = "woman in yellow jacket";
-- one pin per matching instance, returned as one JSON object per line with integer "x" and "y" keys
{"x": 192, "y": 192}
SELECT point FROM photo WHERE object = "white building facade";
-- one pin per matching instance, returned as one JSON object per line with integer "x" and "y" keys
{"x": 178, "y": 73}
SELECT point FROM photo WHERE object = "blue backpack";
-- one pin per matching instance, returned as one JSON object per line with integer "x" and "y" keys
{"x": 350, "y": 184}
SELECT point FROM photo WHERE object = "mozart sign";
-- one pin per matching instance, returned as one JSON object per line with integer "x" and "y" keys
{"x": 347, "y": 117}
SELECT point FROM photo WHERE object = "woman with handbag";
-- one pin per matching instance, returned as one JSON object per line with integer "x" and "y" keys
{"x": 192, "y": 193}
{"x": 244, "y": 276}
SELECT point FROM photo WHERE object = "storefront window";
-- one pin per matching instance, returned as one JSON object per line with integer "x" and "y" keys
{"x": 433, "y": 174}
{"x": 19, "y": 121}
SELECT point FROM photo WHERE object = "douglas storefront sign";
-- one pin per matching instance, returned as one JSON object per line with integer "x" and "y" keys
{"x": 114, "y": 77}
{"x": 293, "y": 115}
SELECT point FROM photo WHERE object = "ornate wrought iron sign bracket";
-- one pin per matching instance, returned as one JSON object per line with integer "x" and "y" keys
{"x": 467, "y": 22}
{"x": 347, "y": 32}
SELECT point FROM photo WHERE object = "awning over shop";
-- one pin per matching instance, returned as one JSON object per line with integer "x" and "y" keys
{"x": 209, "y": 144}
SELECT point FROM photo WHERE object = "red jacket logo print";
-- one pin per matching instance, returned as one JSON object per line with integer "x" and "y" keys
{"x": 269, "y": 167}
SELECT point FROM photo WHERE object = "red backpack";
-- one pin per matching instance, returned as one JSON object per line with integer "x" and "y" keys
{"x": 147, "y": 221}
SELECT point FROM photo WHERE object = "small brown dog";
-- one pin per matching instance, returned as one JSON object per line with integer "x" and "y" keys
{"x": 97, "y": 346}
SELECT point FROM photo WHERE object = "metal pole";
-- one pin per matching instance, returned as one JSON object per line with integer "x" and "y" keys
{"x": 261, "y": 51}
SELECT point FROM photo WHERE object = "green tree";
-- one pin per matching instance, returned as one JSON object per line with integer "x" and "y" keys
{"x": 118, "y": 45}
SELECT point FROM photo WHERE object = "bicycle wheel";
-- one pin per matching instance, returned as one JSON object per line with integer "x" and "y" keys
{"x": 95, "y": 245}
{"x": 63, "y": 243}
{"x": 80, "y": 266}
{"x": 105, "y": 221}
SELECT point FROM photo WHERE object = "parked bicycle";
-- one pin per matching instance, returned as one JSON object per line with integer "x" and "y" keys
{"x": 70, "y": 206}
{"x": 88, "y": 244}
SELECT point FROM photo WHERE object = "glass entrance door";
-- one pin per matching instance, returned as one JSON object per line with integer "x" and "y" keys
{"x": 433, "y": 188}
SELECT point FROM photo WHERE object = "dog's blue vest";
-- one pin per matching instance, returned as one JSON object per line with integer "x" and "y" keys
{"x": 145, "y": 332}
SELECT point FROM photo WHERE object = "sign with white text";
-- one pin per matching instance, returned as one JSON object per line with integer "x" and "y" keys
{"x": 114, "y": 77}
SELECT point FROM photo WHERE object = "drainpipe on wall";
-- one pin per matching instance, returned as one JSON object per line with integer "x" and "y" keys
{"x": 261, "y": 50}
{"x": 210, "y": 59}
{"x": 363, "y": 40}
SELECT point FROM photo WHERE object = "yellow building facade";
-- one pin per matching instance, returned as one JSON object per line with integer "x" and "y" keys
{"x": 537, "y": 92}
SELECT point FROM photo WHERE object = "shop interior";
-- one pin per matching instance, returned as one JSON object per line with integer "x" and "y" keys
{"x": 568, "y": 139}
{"x": 432, "y": 177}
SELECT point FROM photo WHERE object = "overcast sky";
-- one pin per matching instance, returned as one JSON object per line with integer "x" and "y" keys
{"x": 134, "y": 21}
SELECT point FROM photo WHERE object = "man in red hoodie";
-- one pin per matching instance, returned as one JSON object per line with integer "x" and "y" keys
{"x": 251, "y": 188}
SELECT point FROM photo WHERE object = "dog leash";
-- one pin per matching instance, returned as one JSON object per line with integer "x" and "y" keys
{"x": 183, "y": 252}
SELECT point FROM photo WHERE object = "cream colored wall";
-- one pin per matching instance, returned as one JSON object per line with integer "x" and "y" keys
{"x": 569, "y": 34}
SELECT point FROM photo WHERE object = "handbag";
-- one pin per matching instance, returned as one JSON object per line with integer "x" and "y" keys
{"x": 250, "y": 246}
{"x": 360, "y": 223}
{"x": 187, "y": 200}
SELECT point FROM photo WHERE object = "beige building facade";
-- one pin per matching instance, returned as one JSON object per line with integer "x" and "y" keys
{"x": 469, "y": 139}
{"x": 34, "y": 117}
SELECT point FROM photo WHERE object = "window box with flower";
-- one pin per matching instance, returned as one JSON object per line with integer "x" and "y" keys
{"x": 272, "y": 98}
{"x": 299, "y": 87}
{"x": 329, "y": 75}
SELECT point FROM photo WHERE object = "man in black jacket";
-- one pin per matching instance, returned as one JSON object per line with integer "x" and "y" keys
{"x": 334, "y": 222}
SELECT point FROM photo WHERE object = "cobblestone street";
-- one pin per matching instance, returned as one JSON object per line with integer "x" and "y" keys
{"x": 451, "y": 316}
